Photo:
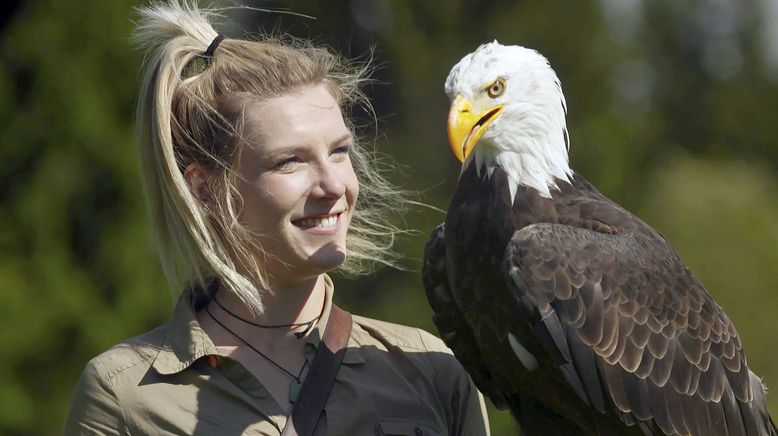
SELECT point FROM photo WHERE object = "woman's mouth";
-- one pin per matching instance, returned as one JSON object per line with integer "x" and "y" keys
{"x": 321, "y": 222}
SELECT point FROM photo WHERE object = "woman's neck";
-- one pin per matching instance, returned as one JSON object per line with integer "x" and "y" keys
{"x": 267, "y": 353}
{"x": 288, "y": 303}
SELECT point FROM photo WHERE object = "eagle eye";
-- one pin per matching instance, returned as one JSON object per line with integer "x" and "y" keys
{"x": 496, "y": 89}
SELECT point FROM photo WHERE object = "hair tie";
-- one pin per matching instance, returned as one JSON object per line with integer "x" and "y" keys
{"x": 211, "y": 48}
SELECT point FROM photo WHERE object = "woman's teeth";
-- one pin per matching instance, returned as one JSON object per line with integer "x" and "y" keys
{"x": 328, "y": 221}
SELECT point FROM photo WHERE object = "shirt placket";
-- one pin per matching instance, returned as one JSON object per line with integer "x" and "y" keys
{"x": 264, "y": 402}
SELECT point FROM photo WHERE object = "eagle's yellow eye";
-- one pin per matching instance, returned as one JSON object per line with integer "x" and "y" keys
{"x": 496, "y": 88}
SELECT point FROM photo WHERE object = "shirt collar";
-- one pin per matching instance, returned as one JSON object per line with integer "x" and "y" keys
{"x": 352, "y": 356}
{"x": 186, "y": 341}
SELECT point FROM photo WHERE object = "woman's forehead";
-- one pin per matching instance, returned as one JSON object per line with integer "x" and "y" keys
{"x": 308, "y": 115}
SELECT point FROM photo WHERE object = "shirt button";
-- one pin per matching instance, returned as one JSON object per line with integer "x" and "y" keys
{"x": 418, "y": 431}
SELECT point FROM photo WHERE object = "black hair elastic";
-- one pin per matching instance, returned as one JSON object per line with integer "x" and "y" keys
{"x": 212, "y": 48}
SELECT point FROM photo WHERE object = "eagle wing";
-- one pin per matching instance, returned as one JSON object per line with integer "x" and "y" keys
{"x": 634, "y": 332}
{"x": 449, "y": 321}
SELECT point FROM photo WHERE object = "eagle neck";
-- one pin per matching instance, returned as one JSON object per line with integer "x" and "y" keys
{"x": 536, "y": 163}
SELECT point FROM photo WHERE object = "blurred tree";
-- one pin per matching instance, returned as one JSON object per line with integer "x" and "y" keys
{"x": 76, "y": 272}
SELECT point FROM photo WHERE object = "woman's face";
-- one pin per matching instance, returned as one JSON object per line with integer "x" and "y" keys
{"x": 297, "y": 184}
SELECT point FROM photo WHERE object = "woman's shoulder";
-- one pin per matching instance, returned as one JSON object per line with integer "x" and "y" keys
{"x": 411, "y": 338}
{"x": 424, "y": 360}
{"x": 106, "y": 378}
{"x": 128, "y": 353}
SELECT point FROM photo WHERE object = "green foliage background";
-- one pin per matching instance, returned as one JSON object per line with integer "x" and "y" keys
{"x": 672, "y": 113}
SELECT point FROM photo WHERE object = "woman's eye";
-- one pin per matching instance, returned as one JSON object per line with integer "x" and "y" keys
{"x": 285, "y": 164}
{"x": 341, "y": 151}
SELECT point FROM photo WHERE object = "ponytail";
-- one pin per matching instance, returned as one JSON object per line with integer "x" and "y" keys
{"x": 174, "y": 36}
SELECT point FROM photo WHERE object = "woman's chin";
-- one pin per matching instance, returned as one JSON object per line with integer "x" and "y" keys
{"x": 325, "y": 259}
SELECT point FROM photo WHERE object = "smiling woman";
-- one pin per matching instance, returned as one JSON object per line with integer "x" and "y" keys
{"x": 298, "y": 186}
{"x": 252, "y": 178}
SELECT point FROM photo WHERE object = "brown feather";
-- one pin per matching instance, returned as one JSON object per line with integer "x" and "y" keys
{"x": 627, "y": 339}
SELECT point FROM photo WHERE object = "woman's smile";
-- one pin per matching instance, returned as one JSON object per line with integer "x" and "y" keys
{"x": 320, "y": 224}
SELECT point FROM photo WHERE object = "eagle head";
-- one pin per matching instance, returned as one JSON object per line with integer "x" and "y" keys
{"x": 508, "y": 110}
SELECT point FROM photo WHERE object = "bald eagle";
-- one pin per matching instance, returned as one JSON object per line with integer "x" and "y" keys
{"x": 563, "y": 306}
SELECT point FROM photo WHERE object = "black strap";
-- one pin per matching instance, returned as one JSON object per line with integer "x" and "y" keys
{"x": 309, "y": 407}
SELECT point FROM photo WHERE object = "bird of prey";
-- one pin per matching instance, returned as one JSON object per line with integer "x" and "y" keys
{"x": 562, "y": 305}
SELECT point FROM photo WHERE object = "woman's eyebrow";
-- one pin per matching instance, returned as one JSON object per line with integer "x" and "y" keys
{"x": 288, "y": 150}
{"x": 343, "y": 138}
{"x": 304, "y": 148}
{"x": 296, "y": 149}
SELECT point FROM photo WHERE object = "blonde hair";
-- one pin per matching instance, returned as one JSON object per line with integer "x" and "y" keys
{"x": 190, "y": 110}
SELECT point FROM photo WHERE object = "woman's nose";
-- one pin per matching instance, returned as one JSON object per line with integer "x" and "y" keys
{"x": 329, "y": 183}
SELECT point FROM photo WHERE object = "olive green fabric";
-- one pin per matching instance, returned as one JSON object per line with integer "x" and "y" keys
{"x": 393, "y": 380}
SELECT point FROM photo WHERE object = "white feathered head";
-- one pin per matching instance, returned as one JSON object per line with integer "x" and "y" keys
{"x": 507, "y": 109}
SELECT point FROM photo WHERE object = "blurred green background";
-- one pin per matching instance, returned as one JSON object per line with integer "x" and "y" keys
{"x": 672, "y": 113}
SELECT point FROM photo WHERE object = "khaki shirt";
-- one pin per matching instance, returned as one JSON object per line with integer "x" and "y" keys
{"x": 394, "y": 380}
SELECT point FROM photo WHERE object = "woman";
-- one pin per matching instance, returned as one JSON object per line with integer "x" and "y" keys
{"x": 256, "y": 189}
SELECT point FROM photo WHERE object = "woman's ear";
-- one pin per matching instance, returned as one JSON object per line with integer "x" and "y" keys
{"x": 197, "y": 178}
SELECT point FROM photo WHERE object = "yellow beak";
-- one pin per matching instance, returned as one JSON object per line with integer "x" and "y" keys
{"x": 465, "y": 128}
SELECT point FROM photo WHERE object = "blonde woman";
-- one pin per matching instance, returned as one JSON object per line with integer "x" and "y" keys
{"x": 256, "y": 188}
